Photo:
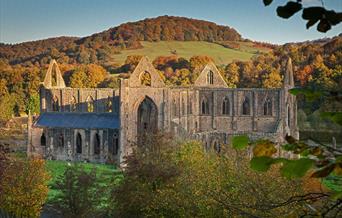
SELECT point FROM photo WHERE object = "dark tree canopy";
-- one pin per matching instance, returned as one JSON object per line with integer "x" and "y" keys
{"x": 313, "y": 14}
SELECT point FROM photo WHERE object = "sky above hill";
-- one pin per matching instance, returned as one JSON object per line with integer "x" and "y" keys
{"x": 27, "y": 20}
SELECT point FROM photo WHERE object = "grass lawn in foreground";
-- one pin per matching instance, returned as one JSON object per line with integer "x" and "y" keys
{"x": 57, "y": 168}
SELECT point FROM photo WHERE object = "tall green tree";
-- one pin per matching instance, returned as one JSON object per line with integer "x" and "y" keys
{"x": 33, "y": 104}
{"x": 80, "y": 193}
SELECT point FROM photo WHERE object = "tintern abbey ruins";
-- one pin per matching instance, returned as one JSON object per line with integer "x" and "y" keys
{"x": 102, "y": 124}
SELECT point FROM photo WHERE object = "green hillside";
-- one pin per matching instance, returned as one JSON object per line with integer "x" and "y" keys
{"x": 187, "y": 49}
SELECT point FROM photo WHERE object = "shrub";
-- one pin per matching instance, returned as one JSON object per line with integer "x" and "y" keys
{"x": 80, "y": 193}
{"x": 24, "y": 187}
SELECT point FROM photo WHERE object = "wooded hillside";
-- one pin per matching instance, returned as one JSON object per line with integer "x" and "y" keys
{"x": 98, "y": 48}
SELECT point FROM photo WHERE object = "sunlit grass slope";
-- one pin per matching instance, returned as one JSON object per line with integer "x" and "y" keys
{"x": 187, "y": 49}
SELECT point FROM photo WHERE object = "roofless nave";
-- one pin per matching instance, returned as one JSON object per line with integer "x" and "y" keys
{"x": 100, "y": 124}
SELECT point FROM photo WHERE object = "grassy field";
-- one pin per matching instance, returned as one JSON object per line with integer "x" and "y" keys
{"x": 220, "y": 54}
{"x": 57, "y": 169}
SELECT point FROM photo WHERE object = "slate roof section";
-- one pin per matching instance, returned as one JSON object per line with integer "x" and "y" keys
{"x": 78, "y": 120}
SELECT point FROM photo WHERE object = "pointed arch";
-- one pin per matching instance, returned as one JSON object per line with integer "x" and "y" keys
{"x": 268, "y": 107}
{"x": 109, "y": 105}
{"x": 147, "y": 117}
{"x": 246, "y": 107}
{"x": 61, "y": 140}
{"x": 183, "y": 106}
{"x": 204, "y": 106}
{"x": 288, "y": 116}
{"x": 174, "y": 108}
{"x": 145, "y": 78}
{"x": 72, "y": 103}
{"x": 115, "y": 145}
{"x": 53, "y": 77}
{"x": 55, "y": 103}
{"x": 210, "y": 77}
{"x": 90, "y": 104}
{"x": 78, "y": 143}
{"x": 225, "y": 106}
{"x": 97, "y": 143}
{"x": 43, "y": 140}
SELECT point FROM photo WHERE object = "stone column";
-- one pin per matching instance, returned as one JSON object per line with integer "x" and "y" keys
{"x": 254, "y": 111}
{"x": 235, "y": 110}
{"x": 213, "y": 114}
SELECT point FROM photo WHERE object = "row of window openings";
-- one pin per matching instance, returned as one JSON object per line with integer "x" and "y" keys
{"x": 89, "y": 102}
{"x": 96, "y": 145}
{"x": 246, "y": 109}
{"x": 145, "y": 78}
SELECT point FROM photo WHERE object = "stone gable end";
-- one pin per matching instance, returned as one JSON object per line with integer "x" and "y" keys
{"x": 217, "y": 79}
{"x": 143, "y": 66}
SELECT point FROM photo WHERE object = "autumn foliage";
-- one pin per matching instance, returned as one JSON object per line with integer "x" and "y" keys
{"x": 98, "y": 47}
{"x": 166, "y": 179}
{"x": 24, "y": 187}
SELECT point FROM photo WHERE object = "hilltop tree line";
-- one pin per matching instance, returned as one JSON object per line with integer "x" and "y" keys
{"x": 98, "y": 48}
{"x": 166, "y": 28}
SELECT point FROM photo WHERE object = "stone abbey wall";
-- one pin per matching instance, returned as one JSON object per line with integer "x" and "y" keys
{"x": 101, "y": 125}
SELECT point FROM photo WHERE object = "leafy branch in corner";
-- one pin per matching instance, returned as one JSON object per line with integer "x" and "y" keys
{"x": 325, "y": 18}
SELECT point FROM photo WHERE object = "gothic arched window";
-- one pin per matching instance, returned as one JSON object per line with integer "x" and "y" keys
{"x": 288, "y": 116}
{"x": 225, "y": 106}
{"x": 90, "y": 104}
{"x": 79, "y": 143}
{"x": 54, "y": 79}
{"x": 97, "y": 144}
{"x": 268, "y": 107}
{"x": 115, "y": 145}
{"x": 145, "y": 79}
{"x": 174, "y": 108}
{"x": 43, "y": 140}
{"x": 246, "y": 108}
{"x": 61, "y": 140}
{"x": 109, "y": 104}
{"x": 210, "y": 77}
{"x": 73, "y": 104}
{"x": 205, "y": 106}
{"x": 55, "y": 104}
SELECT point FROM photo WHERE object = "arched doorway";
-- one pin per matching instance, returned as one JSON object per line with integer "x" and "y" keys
{"x": 79, "y": 143}
{"x": 43, "y": 140}
{"x": 147, "y": 118}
